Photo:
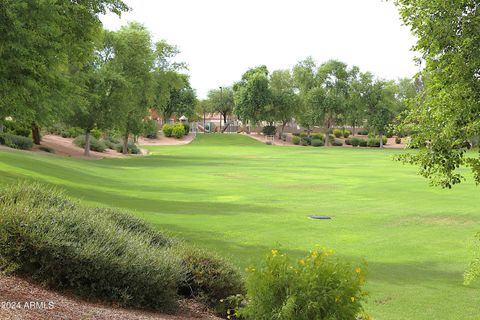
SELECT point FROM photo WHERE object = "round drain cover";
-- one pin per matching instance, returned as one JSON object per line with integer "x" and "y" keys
{"x": 320, "y": 217}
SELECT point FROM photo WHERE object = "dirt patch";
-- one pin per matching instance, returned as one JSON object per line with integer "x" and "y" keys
{"x": 65, "y": 147}
{"x": 53, "y": 305}
{"x": 164, "y": 141}
{"x": 437, "y": 220}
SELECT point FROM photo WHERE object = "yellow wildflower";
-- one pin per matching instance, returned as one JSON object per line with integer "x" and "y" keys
{"x": 301, "y": 261}
{"x": 313, "y": 254}
{"x": 274, "y": 252}
{"x": 358, "y": 270}
{"x": 352, "y": 298}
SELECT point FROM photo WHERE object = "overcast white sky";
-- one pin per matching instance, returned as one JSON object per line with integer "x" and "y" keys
{"x": 221, "y": 39}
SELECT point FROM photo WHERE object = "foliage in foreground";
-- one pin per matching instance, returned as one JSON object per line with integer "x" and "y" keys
{"x": 17, "y": 142}
{"x": 473, "y": 270}
{"x": 102, "y": 253}
{"x": 95, "y": 145}
{"x": 320, "y": 286}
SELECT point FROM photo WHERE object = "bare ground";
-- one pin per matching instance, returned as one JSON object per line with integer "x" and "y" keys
{"x": 18, "y": 297}
{"x": 164, "y": 141}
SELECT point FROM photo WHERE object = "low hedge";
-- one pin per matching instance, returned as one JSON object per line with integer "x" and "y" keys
{"x": 49, "y": 238}
{"x": 296, "y": 140}
{"x": 131, "y": 148}
{"x": 104, "y": 253}
{"x": 95, "y": 145}
{"x": 17, "y": 142}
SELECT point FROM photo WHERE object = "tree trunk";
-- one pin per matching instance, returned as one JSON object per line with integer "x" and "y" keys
{"x": 327, "y": 127}
{"x": 353, "y": 129}
{"x": 1, "y": 127}
{"x": 86, "y": 152}
{"x": 35, "y": 133}
{"x": 204, "y": 122}
{"x": 381, "y": 140}
{"x": 125, "y": 144}
{"x": 283, "y": 129}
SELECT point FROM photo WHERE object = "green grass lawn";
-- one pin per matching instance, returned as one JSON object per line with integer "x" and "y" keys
{"x": 242, "y": 198}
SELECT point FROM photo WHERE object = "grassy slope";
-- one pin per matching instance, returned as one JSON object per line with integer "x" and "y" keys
{"x": 242, "y": 198}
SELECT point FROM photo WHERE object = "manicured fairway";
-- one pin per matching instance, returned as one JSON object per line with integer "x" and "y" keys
{"x": 242, "y": 198}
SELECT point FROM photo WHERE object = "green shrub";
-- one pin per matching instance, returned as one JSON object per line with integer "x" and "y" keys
{"x": 178, "y": 130}
{"x": 373, "y": 142}
{"x": 362, "y": 142}
{"x": 318, "y": 136}
{"x": 338, "y": 133}
{"x": 304, "y": 142}
{"x": 186, "y": 126}
{"x": 337, "y": 143}
{"x": 17, "y": 142}
{"x": 317, "y": 142}
{"x": 363, "y": 132}
{"x": 52, "y": 239}
{"x": 17, "y": 128}
{"x": 109, "y": 144}
{"x": 75, "y": 132}
{"x": 296, "y": 140}
{"x": 398, "y": 140}
{"x": 167, "y": 130}
{"x": 96, "y": 133}
{"x": 209, "y": 277}
{"x": 320, "y": 286}
{"x": 355, "y": 142}
{"x": 131, "y": 148}
{"x": 95, "y": 145}
{"x": 296, "y": 134}
{"x": 150, "y": 129}
{"x": 269, "y": 130}
{"x": 346, "y": 133}
{"x": 348, "y": 142}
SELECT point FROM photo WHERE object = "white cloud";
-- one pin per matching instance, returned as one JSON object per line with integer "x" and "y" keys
{"x": 222, "y": 39}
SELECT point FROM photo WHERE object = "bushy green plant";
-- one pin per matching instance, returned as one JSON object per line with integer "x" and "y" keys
{"x": 355, "y": 142}
{"x": 209, "y": 277}
{"x": 338, "y": 133}
{"x": 167, "y": 129}
{"x": 17, "y": 142}
{"x": 346, "y": 133}
{"x": 150, "y": 129}
{"x": 50, "y": 238}
{"x": 269, "y": 130}
{"x": 373, "y": 142}
{"x": 337, "y": 143}
{"x": 17, "y": 128}
{"x": 317, "y": 142}
{"x": 95, "y": 145}
{"x": 296, "y": 140}
{"x": 178, "y": 130}
{"x": 186, "y": 126}
{"x": 319, "y": 286}
{"x": 363, "y": 132}
{"x": 362, "y": 143}
{"x": 131, "y": 148}
{"x": 96, "y": 133}
{"x": 304, "y": 142}
{"x": 398, "y": 140}
{"x": 71, "y": 132}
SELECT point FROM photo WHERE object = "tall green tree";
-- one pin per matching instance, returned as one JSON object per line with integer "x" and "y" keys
{"x": 41, "y": 42}
{"x": 446, "y": 114}
{"x": 133, "y": 59}
{"x": 285, "y": 102}
{"x": 252, "y": 95}
{"x": 100, "y": 89}
{"x": 380, "y": 101}
{"x": 221, "y": 101}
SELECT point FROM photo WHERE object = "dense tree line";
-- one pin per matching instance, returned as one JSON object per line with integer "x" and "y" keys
{"x": 60, "y": 65}
{"x": 327, "y": 95}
